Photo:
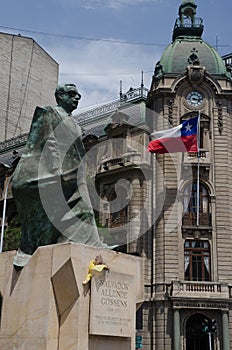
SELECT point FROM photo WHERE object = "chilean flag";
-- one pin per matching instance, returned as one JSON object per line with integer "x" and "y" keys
{"x": 182, "y": 138}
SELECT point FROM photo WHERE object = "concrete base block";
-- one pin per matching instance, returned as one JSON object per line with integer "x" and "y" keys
{"x": 45, "y": 306}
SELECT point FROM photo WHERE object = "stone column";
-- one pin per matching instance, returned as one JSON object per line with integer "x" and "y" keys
{"x": 176, "y": 329}
{"x": 134, "y": 215}
{"x": 225, "y": 331}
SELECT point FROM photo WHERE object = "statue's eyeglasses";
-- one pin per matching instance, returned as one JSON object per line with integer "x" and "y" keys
{"x": 73, "y": 94}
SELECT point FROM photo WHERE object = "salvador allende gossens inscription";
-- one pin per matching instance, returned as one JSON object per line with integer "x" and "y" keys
{"x": 112, "y": 304}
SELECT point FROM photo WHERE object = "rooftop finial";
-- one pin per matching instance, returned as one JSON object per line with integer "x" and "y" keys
{"x": 142, "y": 84}
{"x": 120, "y": 92}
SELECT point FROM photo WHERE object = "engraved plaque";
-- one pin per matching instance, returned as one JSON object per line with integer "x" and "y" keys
{"x": 112, "y": 308}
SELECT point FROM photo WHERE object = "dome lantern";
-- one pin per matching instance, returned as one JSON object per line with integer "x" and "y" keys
{"x": 187, "y": 24}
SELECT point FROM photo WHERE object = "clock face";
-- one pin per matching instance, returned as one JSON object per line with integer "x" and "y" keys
{"x": 194, "y": 98}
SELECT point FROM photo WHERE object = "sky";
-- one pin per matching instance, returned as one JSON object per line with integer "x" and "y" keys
{"x": 99, "y": 43}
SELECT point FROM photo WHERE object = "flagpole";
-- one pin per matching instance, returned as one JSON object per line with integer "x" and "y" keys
{"x": 198, "y": 169}
{"x": 4, "y": 213}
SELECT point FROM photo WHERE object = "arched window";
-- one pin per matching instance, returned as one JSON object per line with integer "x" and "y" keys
{"x": 191, "y": 202}
{"x": 197, "y": 260}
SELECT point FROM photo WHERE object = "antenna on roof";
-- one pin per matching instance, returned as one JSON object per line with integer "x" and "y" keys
{"x": 142, "y": 84}
{"x": 217, "y": 41}
{"x": 120, "y": 93}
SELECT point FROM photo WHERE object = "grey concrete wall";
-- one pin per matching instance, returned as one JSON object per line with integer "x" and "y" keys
{"x": 28, "y": 77}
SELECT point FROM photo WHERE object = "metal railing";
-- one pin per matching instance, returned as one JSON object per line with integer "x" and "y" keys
{"x": 188, "y": 23}
{"x": 190, "y": 219}
{"x": 13, "y": 142}
{"x": 200, "y": 289}
{"x": 204, "y": 157}
{"x": 98, "y": 111}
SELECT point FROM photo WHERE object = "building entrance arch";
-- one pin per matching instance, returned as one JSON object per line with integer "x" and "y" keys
{"x": 197, "y": 337}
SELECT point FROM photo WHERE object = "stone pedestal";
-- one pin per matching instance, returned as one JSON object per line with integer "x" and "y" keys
{"x": 45, "y": 306}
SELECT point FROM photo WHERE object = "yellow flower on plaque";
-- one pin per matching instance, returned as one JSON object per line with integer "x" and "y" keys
{"x": 95, "y": 265}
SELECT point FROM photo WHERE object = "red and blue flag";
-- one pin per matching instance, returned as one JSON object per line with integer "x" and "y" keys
{"x": 182, "y": 138}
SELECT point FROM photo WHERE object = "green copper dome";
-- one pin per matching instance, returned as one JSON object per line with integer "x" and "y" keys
{"x": 188, "y": 46}
{"x": 181, "y": 53}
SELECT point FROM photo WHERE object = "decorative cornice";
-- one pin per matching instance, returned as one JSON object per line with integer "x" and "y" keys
{"x": 13, "y": 143}
{"x": 182, "y": 304}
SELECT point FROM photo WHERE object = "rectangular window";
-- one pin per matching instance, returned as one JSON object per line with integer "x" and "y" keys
{"x": 197, "y": 260}
{"x": 190, "y": 205}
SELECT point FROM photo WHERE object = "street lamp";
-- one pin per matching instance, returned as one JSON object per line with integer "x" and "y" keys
{"x": 210, "y": 327}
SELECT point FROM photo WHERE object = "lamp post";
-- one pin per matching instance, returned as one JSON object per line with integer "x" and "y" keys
{"x": 210, "y": 327}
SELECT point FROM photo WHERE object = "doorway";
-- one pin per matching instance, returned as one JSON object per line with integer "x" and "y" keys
{"x": 197, "y": 338}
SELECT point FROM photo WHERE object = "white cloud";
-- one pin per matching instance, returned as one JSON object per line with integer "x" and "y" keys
{"x": 113, "y": 4}
{"x": 97, "y": 68}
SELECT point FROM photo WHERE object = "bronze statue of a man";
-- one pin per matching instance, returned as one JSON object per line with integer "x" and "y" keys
{"x": 49, "y": 183}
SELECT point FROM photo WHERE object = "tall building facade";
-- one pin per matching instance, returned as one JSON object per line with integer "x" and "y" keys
{"x": 28, "y": 78}
{"x": 192, "y": 237}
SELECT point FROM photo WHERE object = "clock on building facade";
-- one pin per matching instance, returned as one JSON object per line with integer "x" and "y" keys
{"x": 194, "y": 99}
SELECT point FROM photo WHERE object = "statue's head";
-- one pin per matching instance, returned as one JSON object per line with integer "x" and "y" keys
{"x": 67, "y": 97}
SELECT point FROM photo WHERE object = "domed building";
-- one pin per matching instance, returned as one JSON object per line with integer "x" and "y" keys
{"x": 188, "y": 47}
{"x": 192, "y": 275}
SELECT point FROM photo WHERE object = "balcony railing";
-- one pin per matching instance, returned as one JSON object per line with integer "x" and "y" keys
{"x": 190, "y": 219}
{"x": 188, "y": 27}
{"x": 204, "y": 157}
{"x": 188, "y": 23}
{"x": 192, "y": 289}
{"x": 126, "y": 159}
{"x": 13, "y": 143}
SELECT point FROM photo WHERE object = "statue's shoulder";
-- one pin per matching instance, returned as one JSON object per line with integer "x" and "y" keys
{"x": 41, "y": 120}
{"x": 40, "y": 111}
{"x": 45, "y": 115}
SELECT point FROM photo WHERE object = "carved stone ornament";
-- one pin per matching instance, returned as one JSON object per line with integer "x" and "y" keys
{"x": 196, "y": 73}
